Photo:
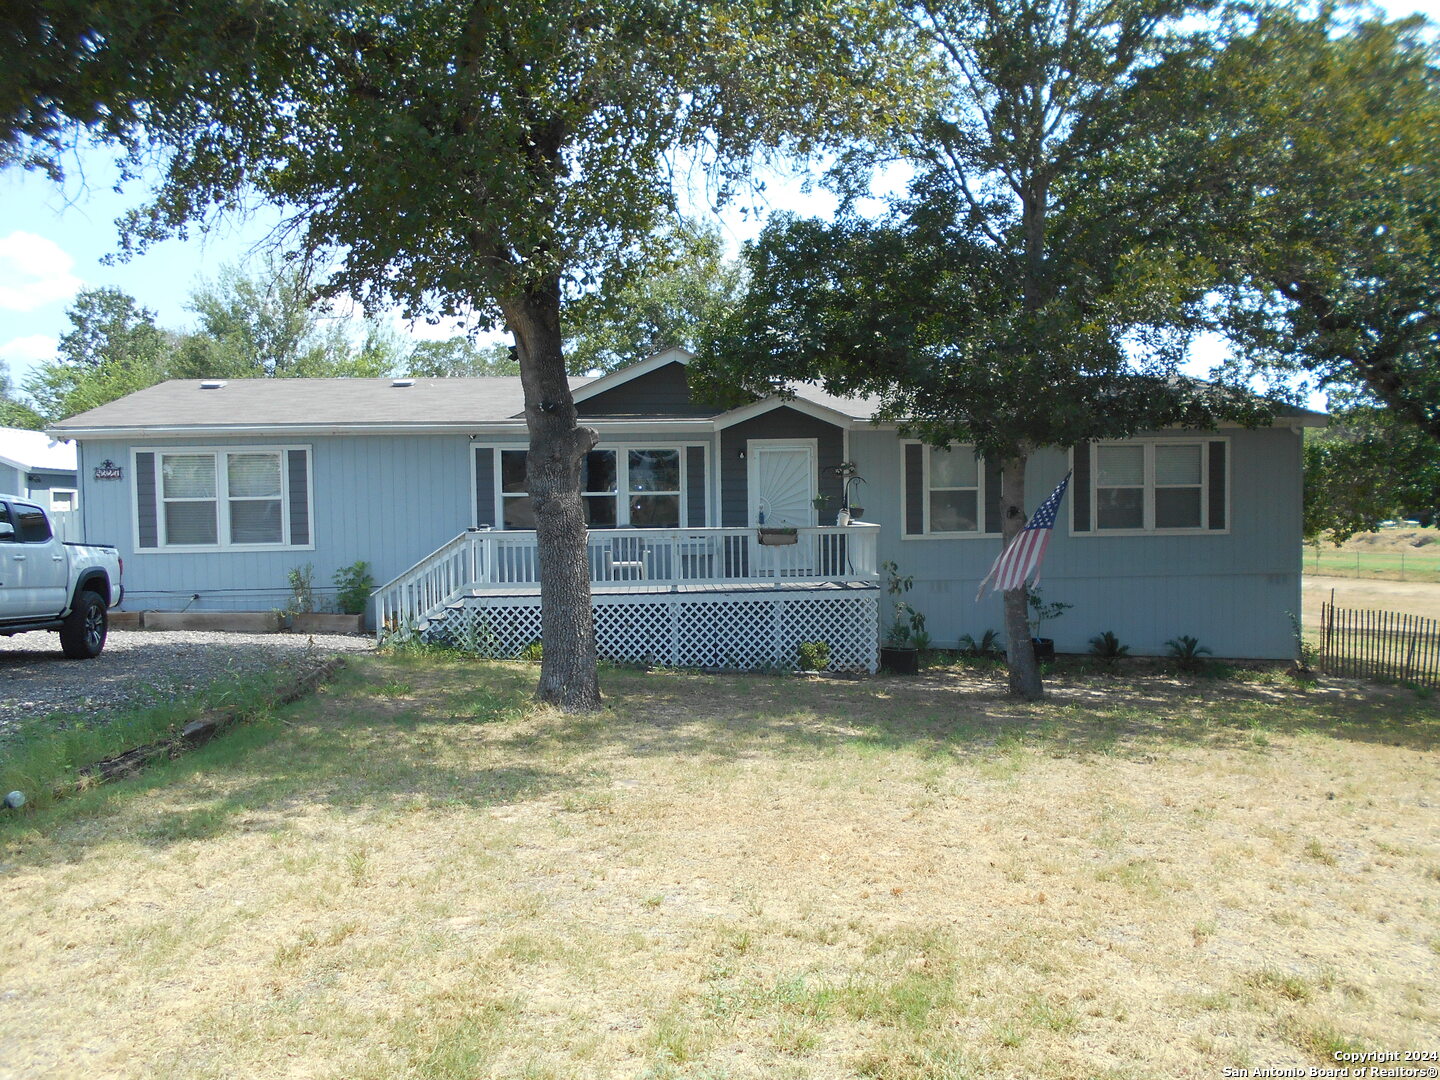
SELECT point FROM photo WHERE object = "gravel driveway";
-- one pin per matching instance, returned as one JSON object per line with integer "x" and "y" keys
{"x": 138, "y": 666}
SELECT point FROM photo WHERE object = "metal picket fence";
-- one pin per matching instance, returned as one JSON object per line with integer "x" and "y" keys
{"x": 1361, "y": 644}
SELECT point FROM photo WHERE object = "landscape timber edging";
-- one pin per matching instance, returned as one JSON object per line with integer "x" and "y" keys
{"x": 201, "y": 730}
{"x": 239, "y": 622}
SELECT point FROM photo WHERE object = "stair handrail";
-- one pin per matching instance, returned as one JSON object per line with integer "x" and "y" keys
{"x": 403, "y": 601}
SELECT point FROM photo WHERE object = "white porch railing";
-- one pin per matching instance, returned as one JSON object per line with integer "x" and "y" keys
{"x": 631, "y": 559}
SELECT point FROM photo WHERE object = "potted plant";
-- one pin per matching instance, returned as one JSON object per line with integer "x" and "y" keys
{"x": 778, "y": 535}
{"x": 900, "y": 652}
{"x": 1040, "y": 613}
{"x": 849, "y": 477}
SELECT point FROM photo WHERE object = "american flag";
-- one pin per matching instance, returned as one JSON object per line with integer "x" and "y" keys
{"x": 1022, "y": 558}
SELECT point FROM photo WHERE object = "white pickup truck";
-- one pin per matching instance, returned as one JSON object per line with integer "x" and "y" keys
{"x": 47, "y": 584}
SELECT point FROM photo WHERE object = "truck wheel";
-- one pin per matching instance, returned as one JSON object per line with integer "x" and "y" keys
{"x": 82, "y": 635}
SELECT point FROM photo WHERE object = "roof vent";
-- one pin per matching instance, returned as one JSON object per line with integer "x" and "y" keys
{"x": 402, "y": 382}
{"x": 212, "y": 384}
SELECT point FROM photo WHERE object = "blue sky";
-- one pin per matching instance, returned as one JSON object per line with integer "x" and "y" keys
{"x": 53, "y": 242}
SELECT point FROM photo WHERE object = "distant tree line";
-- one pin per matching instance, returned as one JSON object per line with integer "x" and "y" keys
{"x": 249, "y": 326}
{"x": 266, "y": 324}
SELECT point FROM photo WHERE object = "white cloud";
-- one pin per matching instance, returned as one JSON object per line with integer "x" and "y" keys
{"x": 22, "y": 355}
{"x": 34, "y": 272}
{"x": 32, "y": 349}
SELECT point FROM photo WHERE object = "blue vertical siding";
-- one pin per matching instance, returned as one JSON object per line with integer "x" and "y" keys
{"x": 387, "y": 500}
{"x": 1231, "y": 590}
{"x": 390, "y": 500}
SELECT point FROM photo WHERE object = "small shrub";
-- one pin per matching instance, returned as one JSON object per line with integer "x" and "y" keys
{"x": 1107, "y": 646}
{"x": 907, "y": 630}
{"x": 534, "y": 652}
{"x": 1042, "y": 610}
{"x": 1187, "y": 651}
{"x": 354, "y": 586}
{"x": 813, "y": 655}
{"x": 988, "y": 644}
{"x": 302, "y": 589}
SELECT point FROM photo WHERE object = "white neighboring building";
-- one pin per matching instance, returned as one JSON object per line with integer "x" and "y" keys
{"x": 36, "y": 467}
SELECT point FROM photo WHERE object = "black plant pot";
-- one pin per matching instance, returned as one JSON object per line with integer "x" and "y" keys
{"x": 1044, "y": 649}
{"x": 899, "y": 661}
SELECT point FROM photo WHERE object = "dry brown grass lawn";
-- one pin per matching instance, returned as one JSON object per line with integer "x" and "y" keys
{"x": 1411, "y": 597}
{"x": 419, "y": 875}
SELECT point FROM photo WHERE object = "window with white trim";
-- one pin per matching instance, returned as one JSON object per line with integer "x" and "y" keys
{"x": 642, "y": 487}
{"x": 952, "y": 491}
{"x": 652, "y": 488}
{"x": 1153, "y": 486}
{"x": 948, "y": 492}
{"x": 242, "y": 498}
{"x": 189, "y": 498}
{"x": 516, "y": 511}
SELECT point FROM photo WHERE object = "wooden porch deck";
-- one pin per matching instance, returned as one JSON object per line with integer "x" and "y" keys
{"x": 632, "y": 562}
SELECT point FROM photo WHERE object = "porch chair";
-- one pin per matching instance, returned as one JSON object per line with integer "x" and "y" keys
{"x": 625, "y": 559}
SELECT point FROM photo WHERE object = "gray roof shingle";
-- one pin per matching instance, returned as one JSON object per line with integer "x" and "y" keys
{"x": 294, "y": 404}
{"x": 339, "y": 403}
{"x": 181, "y": 403}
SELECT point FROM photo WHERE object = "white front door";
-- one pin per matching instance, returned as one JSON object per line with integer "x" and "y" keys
{"x": 782, "y": 480}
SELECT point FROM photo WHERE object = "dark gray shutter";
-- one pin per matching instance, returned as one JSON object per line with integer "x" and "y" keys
{"x": 1217, "y": 484}
{"x": 299, "y": 497}
{"x": 914, "y": 489}
{"x": 1080, "y": 489}
{"x": 484, "y": 486}
{"x": 145, "y": 500}
{"x": 695, "y": 486}
{"x": 993, "y": 521}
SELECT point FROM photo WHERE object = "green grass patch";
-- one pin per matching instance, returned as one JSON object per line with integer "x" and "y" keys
{"x": 1420, "y": 565}
{"x": 44, "y": 756}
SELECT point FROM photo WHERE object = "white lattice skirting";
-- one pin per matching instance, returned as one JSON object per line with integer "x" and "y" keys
{"x": 742, "y": 631}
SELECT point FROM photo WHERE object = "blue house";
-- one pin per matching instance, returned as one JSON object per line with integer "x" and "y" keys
{"x": 713, "y": 538}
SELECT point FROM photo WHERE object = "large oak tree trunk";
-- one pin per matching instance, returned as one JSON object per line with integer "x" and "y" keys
{"x": 1019, "y": 649}
{"x": 568, "y": 676}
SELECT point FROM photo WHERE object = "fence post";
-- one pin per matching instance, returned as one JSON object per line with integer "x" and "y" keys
{"x": 1327, "y": 616}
